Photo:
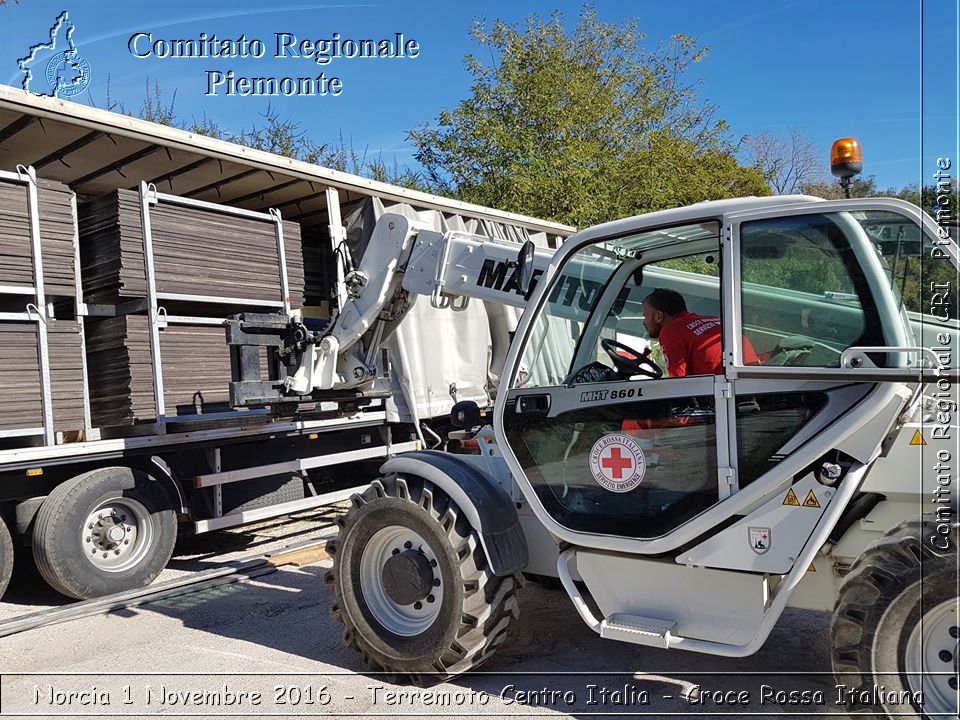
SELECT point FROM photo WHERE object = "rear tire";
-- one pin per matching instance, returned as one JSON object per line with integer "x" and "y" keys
{"x": 103, "y": 532}
{"x": 409, "y": 529}
{"x": 6, "y": 556}
{"x": 897, "y": 615}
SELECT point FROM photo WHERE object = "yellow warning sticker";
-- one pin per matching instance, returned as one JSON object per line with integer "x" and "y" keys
{"x": 811, "y": 568}
{"x": 811, "y": 500}
{"x": 918, "y": 439}
{"x": 791, "y": 498}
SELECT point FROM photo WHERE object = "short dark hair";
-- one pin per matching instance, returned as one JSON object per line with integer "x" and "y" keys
{"x": 669, "y": 302}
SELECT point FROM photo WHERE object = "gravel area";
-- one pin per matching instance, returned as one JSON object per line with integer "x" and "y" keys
{"x": 269, "y": 647}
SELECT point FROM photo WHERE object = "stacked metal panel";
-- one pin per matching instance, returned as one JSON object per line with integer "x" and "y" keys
{"x": 195, "y": 361}
{"x": 21, "y": 324}
{"x": 196, "y": 252}
{"x": 208, "y": 263}
{"x": 57, "y": 233}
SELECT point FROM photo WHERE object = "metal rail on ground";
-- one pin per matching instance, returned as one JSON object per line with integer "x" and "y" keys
{"x": 298, "y": 554}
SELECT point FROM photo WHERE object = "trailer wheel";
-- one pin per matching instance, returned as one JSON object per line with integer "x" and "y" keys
{"x": 896, "y": 627}
{"x": 102, "y": 532}
{"x": 412, "y": 585}
{"x": 6, "y": 557}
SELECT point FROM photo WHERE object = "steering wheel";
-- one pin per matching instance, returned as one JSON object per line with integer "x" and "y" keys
{"x": 630, "y": 362}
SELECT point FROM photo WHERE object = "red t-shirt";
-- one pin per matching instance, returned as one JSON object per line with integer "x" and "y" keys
{"x": 692, "y": 345}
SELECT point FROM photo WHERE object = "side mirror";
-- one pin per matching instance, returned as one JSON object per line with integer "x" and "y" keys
{"x": 525, "y": 266}
{"x": 465, "y": 415}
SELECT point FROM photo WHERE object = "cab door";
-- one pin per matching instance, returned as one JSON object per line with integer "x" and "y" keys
{"x": 612, "y": 459}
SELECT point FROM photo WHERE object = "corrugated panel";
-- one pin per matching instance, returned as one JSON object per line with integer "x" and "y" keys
{"x": 195, "y": 361}
{"x": 56, "y": 233}
{"x": 196, "y": 251}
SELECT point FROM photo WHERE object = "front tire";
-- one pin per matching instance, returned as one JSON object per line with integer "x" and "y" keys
{"x": 896, "y": 627}
{"x": 413, "y": 588}
{"x": 103, "y": 532}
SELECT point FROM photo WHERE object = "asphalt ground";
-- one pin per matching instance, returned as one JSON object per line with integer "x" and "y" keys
{"x": 268, "y": 647}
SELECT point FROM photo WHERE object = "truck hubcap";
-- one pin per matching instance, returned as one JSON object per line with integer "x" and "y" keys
{"x": 117, "y": 534}
{"x": 932, "y": 658}
{"x": 401, "y": 581}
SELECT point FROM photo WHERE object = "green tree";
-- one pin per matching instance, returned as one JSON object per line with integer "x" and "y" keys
{"x": 582, "y": 126}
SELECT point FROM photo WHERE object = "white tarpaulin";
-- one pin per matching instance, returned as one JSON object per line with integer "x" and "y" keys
{"x": 440, "y": 356}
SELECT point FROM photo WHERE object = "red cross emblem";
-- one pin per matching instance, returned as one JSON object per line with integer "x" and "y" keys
{"x": 617, "y": 462}
{"x": 612, "y": 460}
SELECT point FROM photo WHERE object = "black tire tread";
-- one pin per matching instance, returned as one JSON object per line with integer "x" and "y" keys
{"x": 875, "y": 578}
{"x": 61, "y": 500}
{"x": 6, "y": 556}
{"x": 490, "y": 605}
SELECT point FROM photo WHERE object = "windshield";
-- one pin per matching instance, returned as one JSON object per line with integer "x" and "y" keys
{"x": 552, "y": 345}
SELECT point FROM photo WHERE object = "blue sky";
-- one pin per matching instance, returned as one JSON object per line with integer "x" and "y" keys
{"x": 882, "y": 70}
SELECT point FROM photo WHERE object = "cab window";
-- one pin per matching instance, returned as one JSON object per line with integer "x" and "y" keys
{"x": 804, "y": 296}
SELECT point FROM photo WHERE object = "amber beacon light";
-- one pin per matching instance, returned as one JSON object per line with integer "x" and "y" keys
{"x": 846, "y": 160}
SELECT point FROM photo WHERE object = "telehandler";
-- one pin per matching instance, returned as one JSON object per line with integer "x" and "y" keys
{"x": 678, "y": 512}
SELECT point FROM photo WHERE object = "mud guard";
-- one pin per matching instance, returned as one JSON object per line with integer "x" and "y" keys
{"x": 486, "y": 505}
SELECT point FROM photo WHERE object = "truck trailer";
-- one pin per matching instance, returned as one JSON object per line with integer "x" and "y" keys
{"x": 126, "y": 247}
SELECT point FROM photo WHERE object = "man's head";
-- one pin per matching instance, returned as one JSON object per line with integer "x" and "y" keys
{"x": 659, "y": 308}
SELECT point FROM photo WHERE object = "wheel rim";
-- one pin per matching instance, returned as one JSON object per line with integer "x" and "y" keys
{"x": 932, "y": 658}
{"x": 405, "y": 619}
{"x": 117, "y": 534}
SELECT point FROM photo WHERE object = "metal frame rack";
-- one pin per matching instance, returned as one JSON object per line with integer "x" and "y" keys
{"x": 38, "y": 312}
{"x": 158, "y": 318}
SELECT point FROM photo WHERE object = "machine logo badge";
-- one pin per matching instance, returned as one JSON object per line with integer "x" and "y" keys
{"x": 759, "y": 539}
{"x": 617, "y": 463}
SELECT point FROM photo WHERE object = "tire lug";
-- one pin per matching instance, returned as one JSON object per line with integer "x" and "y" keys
{"x": 436, "y": 582}
{"x": 952, "y": 682}
{"x": 126, "y": 542}
{"x": 946, "y": 656}
{"x": 106, "y": 554}
{"x": 433, "y": 563}
{"x": 430, "y": 598}
{"x": 116, "y": 552}
{"x": 93, "y": 552}
{"x": 408, "y": 545}
{"x": 88, "y": 539}
{"x": 90, "y": 526}
{"x": 99, "y": 516}
{"x": 418, "y": 605}
{"x": 954, "y": 632}
{"x": 396, "y": 551}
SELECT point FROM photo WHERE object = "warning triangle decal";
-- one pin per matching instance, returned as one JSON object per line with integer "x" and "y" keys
{"x": 918, "y": 439}
{"x": 811, "y": 500}
{"x": 791, "y": 498}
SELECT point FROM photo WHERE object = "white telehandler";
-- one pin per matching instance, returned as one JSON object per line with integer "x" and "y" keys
{"x": 677, "y": 512}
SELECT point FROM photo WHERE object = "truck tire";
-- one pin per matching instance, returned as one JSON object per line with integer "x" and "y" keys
{"x": 6, "y": 556}
{"x": 261, "y": 492}
{"x": 103, "y": 532}
{"x": 897, "y": 614}
{"x": 412, "y": 586}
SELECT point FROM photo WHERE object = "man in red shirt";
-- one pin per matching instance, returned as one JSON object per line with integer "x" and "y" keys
{"x": 691, "y": 343}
